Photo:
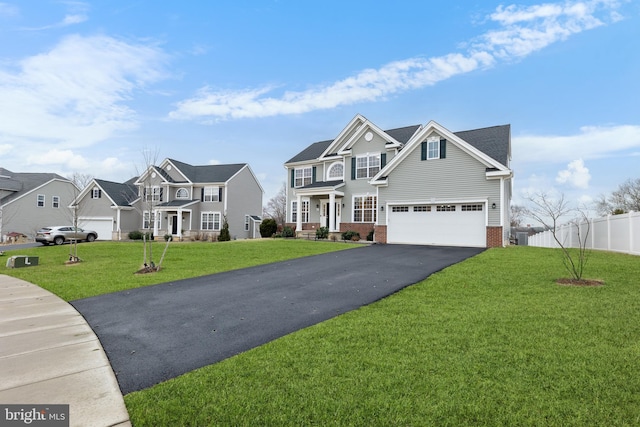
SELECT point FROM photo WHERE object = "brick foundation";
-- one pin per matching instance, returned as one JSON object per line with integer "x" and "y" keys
{"x": 494, "y": 237}
{"x": 363, "y": 228}
{"x": 380, "y": 235}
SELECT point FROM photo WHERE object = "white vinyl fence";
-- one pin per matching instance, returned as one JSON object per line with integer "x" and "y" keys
{"x": 618, "y": 233}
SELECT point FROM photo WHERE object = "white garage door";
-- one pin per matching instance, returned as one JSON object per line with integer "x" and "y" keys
{"x": 102, "y": 226}
{"x": 445, "y": 225}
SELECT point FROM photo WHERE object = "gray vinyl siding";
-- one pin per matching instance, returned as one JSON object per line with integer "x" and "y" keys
{"x": 244, "y": 197}
{"x": 22, "y": 215}
{"x": 458, "y": 176}
{"x": 90, "y": 207}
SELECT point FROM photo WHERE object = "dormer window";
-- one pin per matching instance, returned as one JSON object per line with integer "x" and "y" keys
{"x": 335, "y": 172}
{"x": 182, "y": 193}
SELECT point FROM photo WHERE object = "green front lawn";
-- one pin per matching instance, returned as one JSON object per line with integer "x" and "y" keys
{"x": 492, "y": 341}
{"x": 110, "y": 266}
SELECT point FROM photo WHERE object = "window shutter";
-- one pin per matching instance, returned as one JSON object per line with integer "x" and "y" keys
{"x": 353, "y": 168}
{"x": 202, "y": 194}
{"x": 220, "y": 194}
{"x": 443, "y": 148}
{"x": 161, "y": 191}
{"x": 383, "y": 160}
{"x": 293, "y": 178}
{"x": 423, "y": 154}
{"x": 313, "y": 175}
{"x": 99, "y": 194}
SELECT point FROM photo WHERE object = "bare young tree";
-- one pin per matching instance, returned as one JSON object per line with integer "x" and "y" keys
{"x": 549, "y": 211}
{"x": 81, "y": 180}
{"x": 277, "y": 206}
{"x": 517, "y": 215}
{"x": 626, "y": 198}
{"x": 149, "y": 202}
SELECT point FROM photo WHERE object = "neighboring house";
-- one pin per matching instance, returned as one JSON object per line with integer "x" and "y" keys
{"x": 416, "y": 184}
{"x": 177, "y": 199}
{"x": 29, "y": 201}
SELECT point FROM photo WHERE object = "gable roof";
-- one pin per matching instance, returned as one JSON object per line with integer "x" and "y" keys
{"x": 20, "y": 183}
{"x": 207, "y": 173}
{"x": 315, "y": 150}
{"x": 120, "y": 194}
{"x": 493, "y": 141}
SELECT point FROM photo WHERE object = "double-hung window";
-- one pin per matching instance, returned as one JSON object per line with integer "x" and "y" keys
{"x": 148, "y": 218}
{"x": 210, "y": 221}
{"x": 367, "y": 166}
{"x": 364, "y": 208}
{"x": 211, "y": 194}
{"x": 95, "y": 193}
{"x": 153, "y": 194}
{"x": 302, "y": 177}
{"x": 246, "y": 223}
{"x": 55, "y": 201}
{"x": 40, "y": 200}
{"x": 304, "y": 211}
{"x": 294, "y": 211}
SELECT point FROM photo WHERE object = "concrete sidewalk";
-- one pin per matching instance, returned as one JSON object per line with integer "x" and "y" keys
{"x": 50, "y": 355}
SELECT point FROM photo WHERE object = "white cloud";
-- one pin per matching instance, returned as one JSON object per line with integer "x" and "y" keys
{"x": 521, "y": 31}
{"x": 590, "y": 143}
{"x": 214, "y": 162}
{"x": 75, "y": 94}
{"x": 576, "y": 175}
{"x": 56, "y": 157}
{"x": 8, "y": 10}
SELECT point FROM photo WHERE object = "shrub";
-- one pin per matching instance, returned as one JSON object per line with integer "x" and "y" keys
{"x": 268, "y": 227}
{"x": 322, "y": 233}
{"x": 370, "y": 236}
{"x": 351, "y": 235}
{"x": 288, "y": 232}
{"x": 168, "y": 237}
{"x": 138, "y": 235}
{"x": 224, "y": 233}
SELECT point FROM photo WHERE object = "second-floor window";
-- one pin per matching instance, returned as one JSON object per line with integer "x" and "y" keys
{"x": 211, "y": 194}
{"x": 95, "y": 193}
{"x": 182, "y": 193}
{"x": 367, "y": 166}
{"x": 55, "y": 201}
{"x": 153, "y": 194}
{"x": 303, "y": 177}
{"x": 40, "y": 201}
{"x": 336, "y": 171}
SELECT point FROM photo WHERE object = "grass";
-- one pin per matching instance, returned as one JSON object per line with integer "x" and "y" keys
{"x": 110, "y": 266}
{"x": 492, "y": 341}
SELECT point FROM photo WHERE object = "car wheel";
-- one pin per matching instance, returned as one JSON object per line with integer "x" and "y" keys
{"x": 58, "y": 240}
{"x": 91, "y": 238}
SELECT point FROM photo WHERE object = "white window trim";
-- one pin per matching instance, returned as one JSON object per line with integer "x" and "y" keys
{"x": 211, "y": 194}
{"x": 373, "y": 210}
{"x": 178, "y": 193}
{"x": 368, "y": 166}
{"x": 433, "y": 140}
{"x": 305, "y": 212}
{"x": 246, "y": 222}
{"x": 294, "y": 211}
{"x": 216, "y": 219}
{"x": 331, "y": 166}
{"x": 95, "y": 193}
{"x": 153, "y": 193}
{"x": 151, "y": 216}
{"x": 303, "y": 176}
{"x": 44, "y": 201}
{"x": 55, "y": 200}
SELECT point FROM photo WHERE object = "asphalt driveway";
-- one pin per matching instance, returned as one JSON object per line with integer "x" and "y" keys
{"x": 156, "y": 333}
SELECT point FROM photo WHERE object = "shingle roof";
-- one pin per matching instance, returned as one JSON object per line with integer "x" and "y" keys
{"x": 208, "y": 173}
{"x": 121, "y": 194}
{"x": 493, "y": 141}
{"x": 21, "y": 183}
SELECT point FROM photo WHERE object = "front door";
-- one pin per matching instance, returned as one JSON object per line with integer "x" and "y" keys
{"x": 324, "y": 214}
{"x": 174, "y": 224}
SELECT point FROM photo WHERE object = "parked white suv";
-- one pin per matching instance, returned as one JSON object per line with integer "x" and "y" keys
{"x": 63, "y": 233}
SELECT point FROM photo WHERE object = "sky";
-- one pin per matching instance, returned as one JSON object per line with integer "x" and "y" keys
{"x": 96, "y": 87}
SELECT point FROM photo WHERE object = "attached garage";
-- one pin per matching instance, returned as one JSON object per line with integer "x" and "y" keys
{"x": 456, "y": 224}
{"x": 102, "y": 225}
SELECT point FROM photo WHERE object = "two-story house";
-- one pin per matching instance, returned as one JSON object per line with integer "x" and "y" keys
{"x": 177, "y": 199}
{"x": 30, "y": 201}
{"x": 415, "y": 184}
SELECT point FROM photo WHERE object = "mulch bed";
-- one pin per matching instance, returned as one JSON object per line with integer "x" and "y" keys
{"x": 581, "y": 282}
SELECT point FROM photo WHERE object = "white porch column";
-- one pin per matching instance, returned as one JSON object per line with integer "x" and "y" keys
{"x": 179, "y": 219}
{"x": 155, "y": 222}
{"x": 118, "y": 228}
{"x": 332, "y": 212}
{"x": 299, "y": 214}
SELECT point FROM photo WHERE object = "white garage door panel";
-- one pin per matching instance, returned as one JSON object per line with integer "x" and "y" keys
{"x": 437, "y": 228}
{"x": 102, "y": 226}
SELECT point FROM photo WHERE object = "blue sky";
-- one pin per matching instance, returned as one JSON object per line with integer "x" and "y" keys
{"x": 87, "y": 87}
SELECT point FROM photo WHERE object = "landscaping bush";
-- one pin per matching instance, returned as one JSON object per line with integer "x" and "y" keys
{"x": 268, "y": 227}
{"x": 288, "y": 232}
{"x": 370, "y": 236}
{"x": 138, "y": 235}
{"x": 322, "y": 233}
{"x": 224, "y": 236}
{"x": 351, "y": 235}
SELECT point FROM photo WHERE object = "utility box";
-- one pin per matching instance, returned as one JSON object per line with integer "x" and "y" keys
{"x": 19, "y": 261}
